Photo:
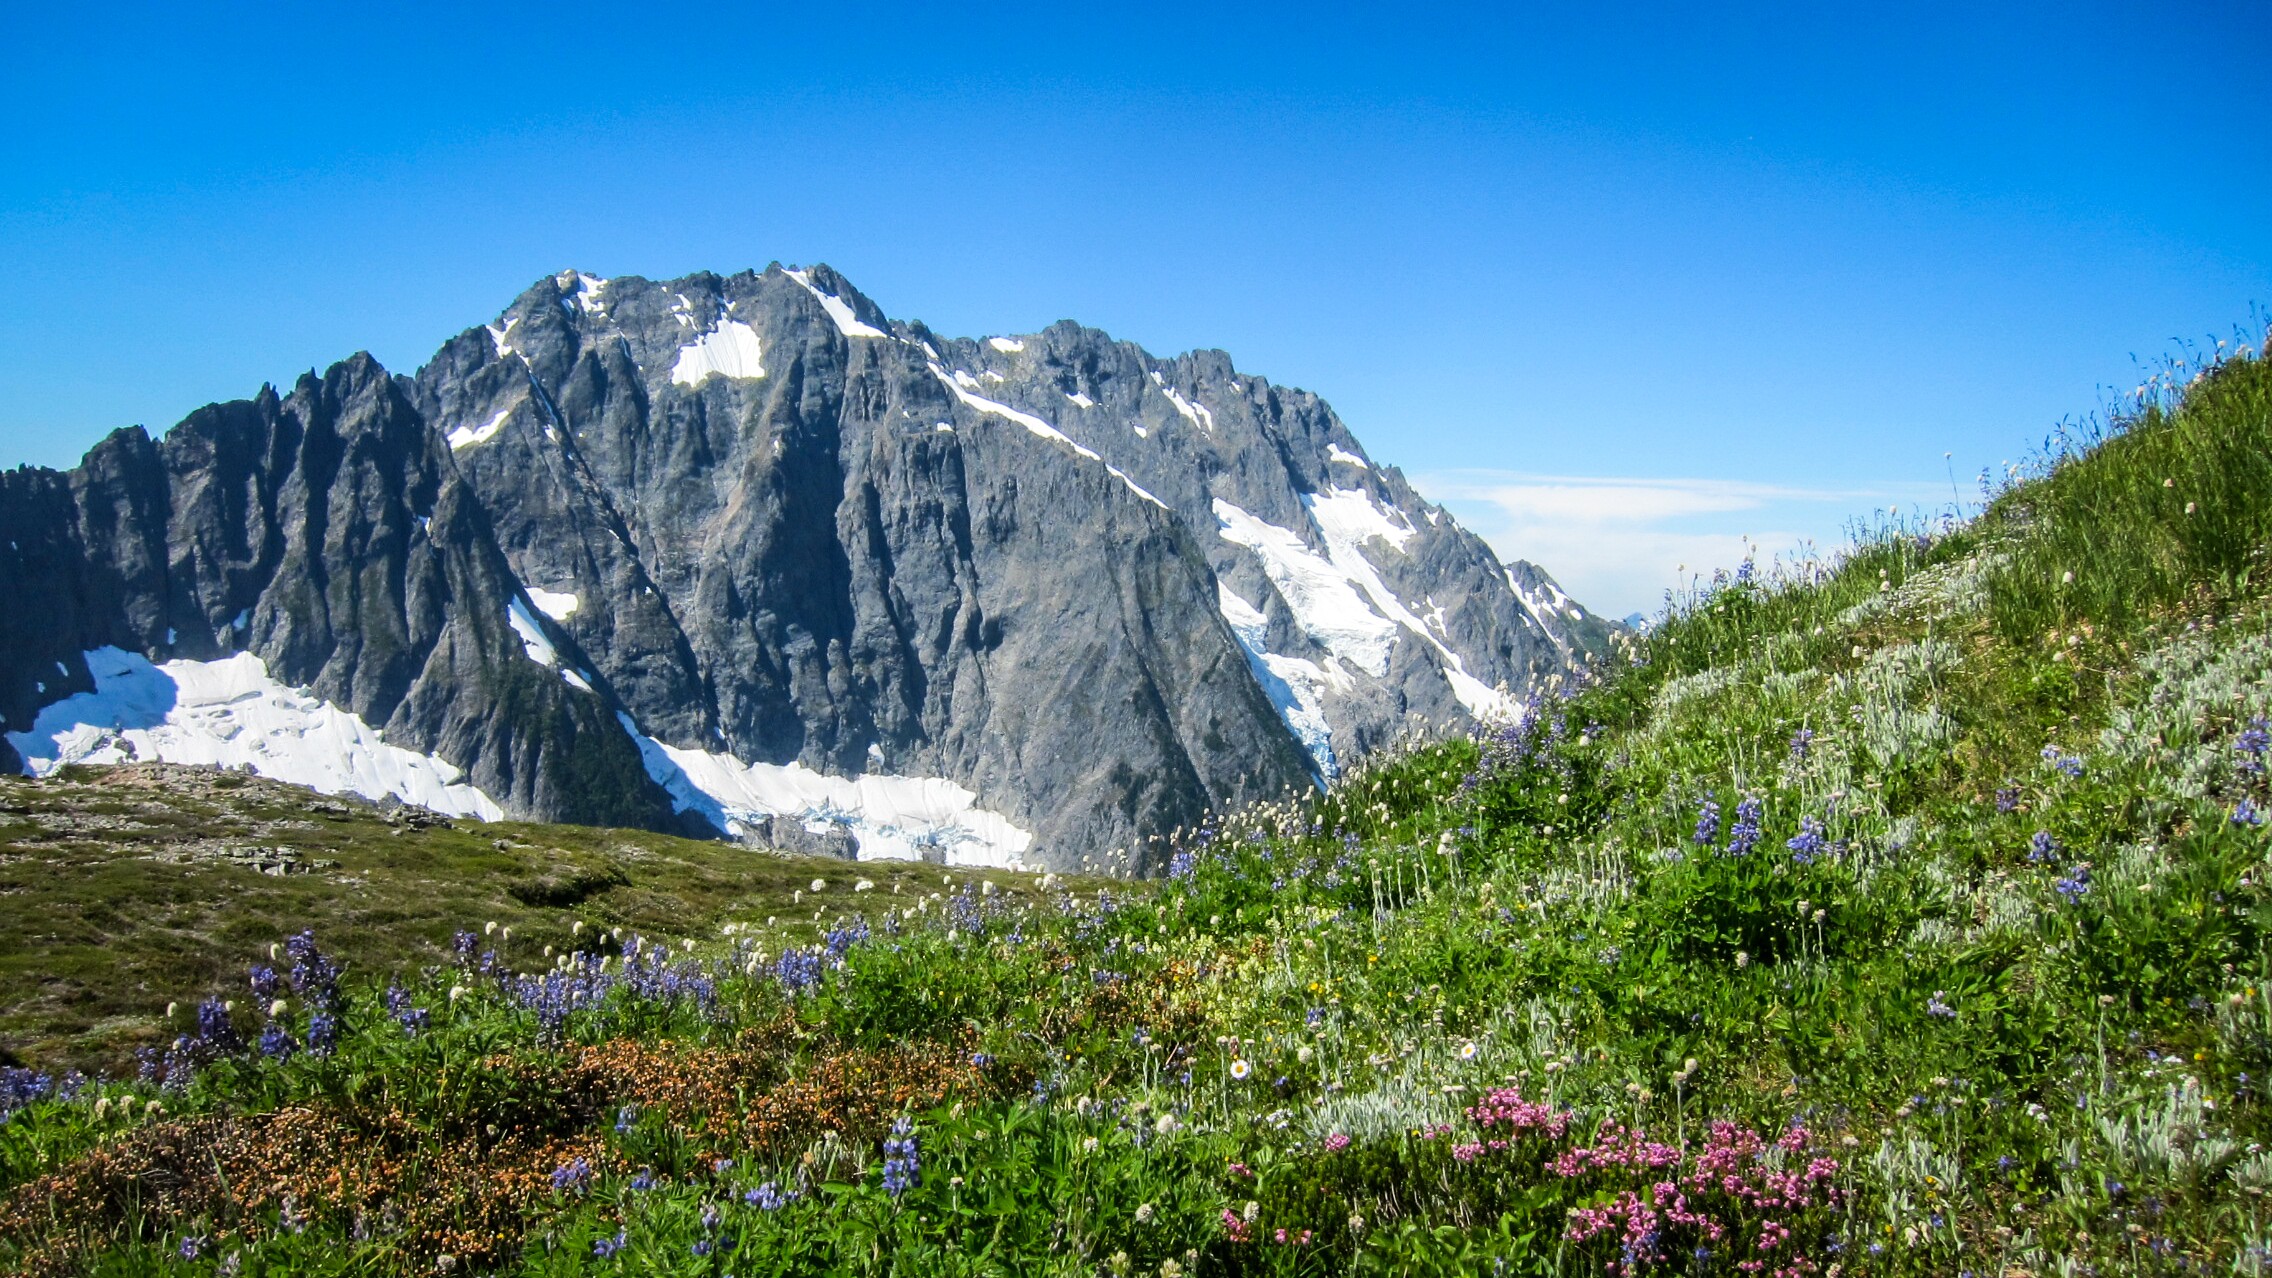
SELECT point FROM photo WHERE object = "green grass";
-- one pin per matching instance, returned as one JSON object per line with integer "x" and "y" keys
{"x": 122, "y": 897}
{"x": 1987, "y": 993}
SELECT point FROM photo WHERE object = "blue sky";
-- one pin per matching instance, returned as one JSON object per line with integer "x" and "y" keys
{"x": 1621, "y": 290}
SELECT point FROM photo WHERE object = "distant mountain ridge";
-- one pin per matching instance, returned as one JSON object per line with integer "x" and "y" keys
{"x": 743, "y": 554}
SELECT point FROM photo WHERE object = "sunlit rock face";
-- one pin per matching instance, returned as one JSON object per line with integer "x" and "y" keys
{"x": 744, "y": 555}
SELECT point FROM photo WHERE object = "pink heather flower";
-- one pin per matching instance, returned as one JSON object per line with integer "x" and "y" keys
{"x": 1725, "y": 1196}
{"x": 1505, "y": 1107}
{"x": 1336, "y": 1142}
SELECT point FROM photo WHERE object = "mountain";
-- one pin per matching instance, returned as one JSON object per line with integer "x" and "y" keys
{"x": 742, "y": 555}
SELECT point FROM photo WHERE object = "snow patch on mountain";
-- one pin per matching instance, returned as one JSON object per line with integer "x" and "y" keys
{"x": 1006, "y": 345}
{"x": 468, "y": 436}
{"x": 1481, "y": 699}
{"x": 558, "y": 605}
{"x": 848, "y": 321}
{"x": 501, "y": 336}
{"x": 1350, "y": 518}
{"x": 230, "y": 714}
{"x": 1296, "y": 687}
{"x": 729, "y": 350}
{"x": 533, "y": 639}
{"x": 1196, "y": 413}
{"x": 1351, "y": 515}
{"x": 1326, "y": 603}
{"x": 960, "y": 380}
{"x": 1339, "y": 599}
{"x": 894, "y": 818}
{"x": 1549, "y": 607}
{"x": 1335, "y": 452}
{"x": 585, "y": 290}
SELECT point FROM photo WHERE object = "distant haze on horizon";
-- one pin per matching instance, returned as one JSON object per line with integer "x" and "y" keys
{"x": 1620, "y": 292}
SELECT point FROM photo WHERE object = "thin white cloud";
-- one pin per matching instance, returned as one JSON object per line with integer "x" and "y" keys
{"x": 1616, "y": 544}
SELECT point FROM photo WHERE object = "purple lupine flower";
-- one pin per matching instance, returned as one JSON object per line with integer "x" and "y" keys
{"x": 798, "y": 970}
{"x": 2008, "y": 799}
{"x": 266, "y": 984}
{"x": 1745, "y": 836}
{"x": 573, "y": 1176}
{"x": 323, "y": 1033}
{"x": 1707, "y": 822}
{"x": 2253, "y": 741}
{"x": 843, "y": 937}
{"x": 2074, "y": 885}
{"x": 2067, "y": 765}
{"x": 412, "y": 1019}
{"x": 768, "y": 1197}
{"x": 216, "y": 1034}
{"x": 1934, "y": 1006}
{"x": 607, "y": 1247}
{"x": 315, "y": 976}
{"x": 2245, "y": 813}
{"x": 903, "y": 1164}
{"x": 2043, "y": 849}
{"x": 966, "y": 911}
{"x": 20, "y": 1087}
{"x": 1801, "y": 742}
{"x": 276, "y": 1042}
{"x": 1806, "y": 845}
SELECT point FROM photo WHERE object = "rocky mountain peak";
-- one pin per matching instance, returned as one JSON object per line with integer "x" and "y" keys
{"x": 743, "y": 553}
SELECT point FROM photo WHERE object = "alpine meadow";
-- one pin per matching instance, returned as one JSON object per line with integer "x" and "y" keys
{"x": 1901, "y": 913}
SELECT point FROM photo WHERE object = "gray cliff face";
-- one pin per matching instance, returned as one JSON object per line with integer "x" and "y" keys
{"x": 327, "y": 533}
{"x": 1102, "y": 590}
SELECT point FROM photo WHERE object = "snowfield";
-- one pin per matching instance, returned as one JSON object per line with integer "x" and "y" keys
{"x": 230, "y": 714}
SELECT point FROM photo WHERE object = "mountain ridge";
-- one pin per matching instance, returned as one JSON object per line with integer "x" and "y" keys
{"x": 707, "y": 551}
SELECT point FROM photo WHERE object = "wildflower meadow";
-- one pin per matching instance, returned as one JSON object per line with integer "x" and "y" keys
{"x": 1899, "y": 912}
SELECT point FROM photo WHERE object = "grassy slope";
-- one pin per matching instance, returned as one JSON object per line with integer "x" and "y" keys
{"x": 127, "y": 889}
{"x": 1989, "y": 986}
